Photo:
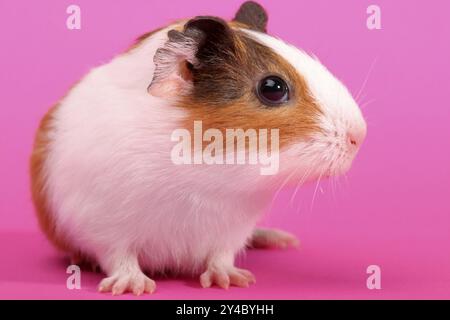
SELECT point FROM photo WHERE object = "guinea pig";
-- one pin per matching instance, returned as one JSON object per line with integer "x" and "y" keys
{"x": 104, "y": 183}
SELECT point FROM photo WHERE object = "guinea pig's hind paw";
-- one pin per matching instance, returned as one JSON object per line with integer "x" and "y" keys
{"x": 272, "y": 238}
{"x": 137, "y": 283}
{"x": 224, "y": 278}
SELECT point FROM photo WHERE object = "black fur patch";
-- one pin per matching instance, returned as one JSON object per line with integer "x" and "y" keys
{"x": 253, "y": 15}
{"x": 225, "y": 63}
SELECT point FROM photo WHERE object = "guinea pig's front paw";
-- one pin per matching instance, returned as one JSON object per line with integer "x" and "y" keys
{"x": 226, "y": 277}
{"x": 137, "y": 283}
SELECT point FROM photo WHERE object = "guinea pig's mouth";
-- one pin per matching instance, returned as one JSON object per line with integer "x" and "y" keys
{"x": 323, "y": 155}
{"x": 340, "y": 158}
{"x": 340, "y": 166}
{"x": 341, "y": 147}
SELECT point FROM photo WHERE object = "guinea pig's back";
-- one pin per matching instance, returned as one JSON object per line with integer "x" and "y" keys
{"x": 95, "y": 145}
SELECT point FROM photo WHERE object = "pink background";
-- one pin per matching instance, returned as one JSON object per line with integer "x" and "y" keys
{"x": 392, "y": 211}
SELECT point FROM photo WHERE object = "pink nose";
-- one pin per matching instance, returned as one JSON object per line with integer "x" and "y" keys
{"x": 355, "y": 137}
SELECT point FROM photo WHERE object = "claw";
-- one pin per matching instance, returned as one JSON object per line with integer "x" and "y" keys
{"x": 226, "y": 278}
{"x": 119, "y": 284}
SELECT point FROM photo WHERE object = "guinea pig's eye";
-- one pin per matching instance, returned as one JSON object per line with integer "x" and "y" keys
{"x": 273, "y": 91}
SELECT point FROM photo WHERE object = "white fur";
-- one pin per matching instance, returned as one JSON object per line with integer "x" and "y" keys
{"x": 114, "y": 189}
{"x": 115, "y": 192}
{"x": 341, "y": 117}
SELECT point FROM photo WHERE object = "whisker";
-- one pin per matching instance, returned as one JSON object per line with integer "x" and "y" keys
{"x": 304, "y": 178}
{"x": 366, "y": 79}
{"x": 361, "y": 98}
{"x": 299, "y": 184}
{"x": 365, "y": 104}
{"x": 285, "y": 181}
{"x": 315, "y": 191}
{"x": 347, "y": 182}
{"x": 330, "y": 185}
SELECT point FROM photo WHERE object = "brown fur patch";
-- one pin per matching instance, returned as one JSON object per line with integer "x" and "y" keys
{"x": 39, "y": 193}
{"x": 38, "y": 180}
{"x": 224, "y": 92}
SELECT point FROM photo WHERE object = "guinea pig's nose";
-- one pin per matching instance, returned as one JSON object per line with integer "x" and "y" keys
{"x": 355, "y": 137}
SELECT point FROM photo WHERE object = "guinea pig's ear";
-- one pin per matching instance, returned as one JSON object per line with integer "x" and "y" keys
{"x": 172, "y": 74}
{"x": 201, "y": 41}
{"x": 253, "y": 15}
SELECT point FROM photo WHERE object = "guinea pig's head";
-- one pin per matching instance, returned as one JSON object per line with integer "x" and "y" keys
{"x": 234, "y": 75}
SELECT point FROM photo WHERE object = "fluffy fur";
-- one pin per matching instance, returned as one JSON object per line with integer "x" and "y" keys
{"x": 114, "y": 195}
